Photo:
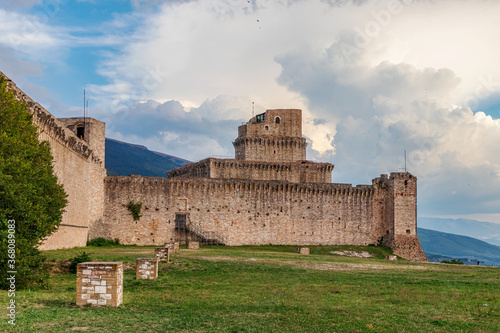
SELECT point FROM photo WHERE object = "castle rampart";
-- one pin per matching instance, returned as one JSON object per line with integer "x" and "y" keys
{"x": 244, "y": 212}
{"x": 295, "y": 172}
{"x": 268, "y": 194}
{"x": 78, "y": 168}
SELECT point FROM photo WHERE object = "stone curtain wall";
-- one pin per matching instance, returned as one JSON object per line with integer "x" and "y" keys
{"x": 264, "y": 212}
{"x": 294, "y": 172}
{"x": 78, "y": 168}
{"x": 245, "y": 212}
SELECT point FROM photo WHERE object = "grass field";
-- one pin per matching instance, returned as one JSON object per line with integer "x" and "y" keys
{"x": 270, "y": 289}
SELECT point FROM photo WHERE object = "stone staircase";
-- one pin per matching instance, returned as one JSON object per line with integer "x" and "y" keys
{"x": 194, "y": 232}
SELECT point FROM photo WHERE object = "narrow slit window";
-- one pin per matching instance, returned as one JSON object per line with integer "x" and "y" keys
{"x": 80, "y": 132}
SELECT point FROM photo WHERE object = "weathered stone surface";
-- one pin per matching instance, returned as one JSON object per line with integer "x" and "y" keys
{"x": 303, "y": 250}
{"x": 146, "y": 269}
{"x": 171, "y": 247}
{"x": 391, "y": 257}
{"x": 99, "y": 283}
{"x": 193, "y": 245}
{"x": 162, "y": 254}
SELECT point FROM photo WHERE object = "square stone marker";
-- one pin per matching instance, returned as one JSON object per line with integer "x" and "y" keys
{"x": 99, "y": 283}
{"x": 146, "y": 269}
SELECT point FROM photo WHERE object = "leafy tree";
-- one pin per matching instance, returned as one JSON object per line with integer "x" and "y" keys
{"x": 29, "y": 192}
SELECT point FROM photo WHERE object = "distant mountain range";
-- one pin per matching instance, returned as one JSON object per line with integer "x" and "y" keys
{"x": 440, "y": 246}
{"x": 123, "y": 159}
{"x": 485, "y": 231}
{"x": 443, "y": 242}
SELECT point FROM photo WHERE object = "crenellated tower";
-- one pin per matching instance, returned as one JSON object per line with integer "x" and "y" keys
{"x": 398, "y": 214}
{"x": 272, "y": 136}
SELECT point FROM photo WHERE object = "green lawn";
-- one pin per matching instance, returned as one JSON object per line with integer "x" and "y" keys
{"x": 270, "y": 289}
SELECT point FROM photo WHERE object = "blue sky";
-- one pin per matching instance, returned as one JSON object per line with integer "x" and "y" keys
{"x": 374, "y": 78}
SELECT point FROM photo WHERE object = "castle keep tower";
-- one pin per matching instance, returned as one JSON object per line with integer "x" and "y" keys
{"x": 269, "y": 146}
{"x": 273, "y": 136}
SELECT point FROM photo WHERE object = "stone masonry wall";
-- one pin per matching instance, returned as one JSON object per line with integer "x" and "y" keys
{"x": 79, "y": 170}
{"x": 245, "y": 212}
{"x": 274, "y": 136}
{"x": 294, "y": 172}
{"x": 262, "y": 212}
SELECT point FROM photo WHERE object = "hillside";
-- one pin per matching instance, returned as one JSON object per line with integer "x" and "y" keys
{"x": 123, "y": 159}
{"x": 485, "y": 231}
{"x": 439, "y": 245}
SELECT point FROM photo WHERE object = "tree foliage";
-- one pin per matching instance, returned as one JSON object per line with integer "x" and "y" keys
{"x": 29, "y": 191}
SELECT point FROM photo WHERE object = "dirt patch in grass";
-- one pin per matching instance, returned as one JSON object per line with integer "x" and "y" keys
{"x": 58, "y": 267}
{"x": 318, "y": 266}
{"x": 152, "y": 252}
{"x": 231, "y": 259}
{"x": 349, "y": 266}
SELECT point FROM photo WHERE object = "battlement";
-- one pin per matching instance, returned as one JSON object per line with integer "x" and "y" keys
{"x": 90, "y": 130}
{"x": 295, "y": 172}
{"x": 273, "y": 136}
{"x": 50, "y": 126}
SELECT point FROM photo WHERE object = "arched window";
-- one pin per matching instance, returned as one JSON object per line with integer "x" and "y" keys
{"x": 277, "y": 120}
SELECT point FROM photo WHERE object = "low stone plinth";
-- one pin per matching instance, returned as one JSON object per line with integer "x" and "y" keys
{"x": 176, "y": 246}
{"x": 391, "y": 257}
{"x": 171, "y": 246}
{"x": 162, "y": 254}
{"x": 192, "y": 245}
{"x": 303, "y": 250}
{"x": 146, "y": 269}
{"x": 99, "y": 283}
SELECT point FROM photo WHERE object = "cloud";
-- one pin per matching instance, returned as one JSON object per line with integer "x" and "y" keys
{"x": 378, "y": 111}
{"x": 374, "y": 78}
{"x": 168, "y": 127}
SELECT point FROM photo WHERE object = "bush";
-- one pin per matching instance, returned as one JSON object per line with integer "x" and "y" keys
{"x": 452, "y": 261}
{"x": 82, "y": 257}
{"x": 101, "y": 241}
{"x": 135, "y": 209}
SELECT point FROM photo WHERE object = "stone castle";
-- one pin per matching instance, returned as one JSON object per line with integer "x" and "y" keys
{"x": 268, "y": 194}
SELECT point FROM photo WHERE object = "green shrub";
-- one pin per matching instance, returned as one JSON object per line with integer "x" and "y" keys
{"x": 81, "y": 257}
{"x": 101, "y": 241}
{"x": 135, "y": 209}
{"x": 452, "y": 261}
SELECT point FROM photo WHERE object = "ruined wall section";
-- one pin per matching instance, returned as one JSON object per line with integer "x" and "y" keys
{"x": 79, "y": 170}
{"x": 296, "y": 172}
{"x": 245, "y": 212}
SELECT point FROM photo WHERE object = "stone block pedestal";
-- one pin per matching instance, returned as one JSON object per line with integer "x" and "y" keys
{"x": 192, "y": 245}
{"x": 170, "y": 246}
{"x": 99, "y": 283}
{"x": 146, "y": 269}
{"x": 303, "y": 250}
{"x": 162, "y": 254}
